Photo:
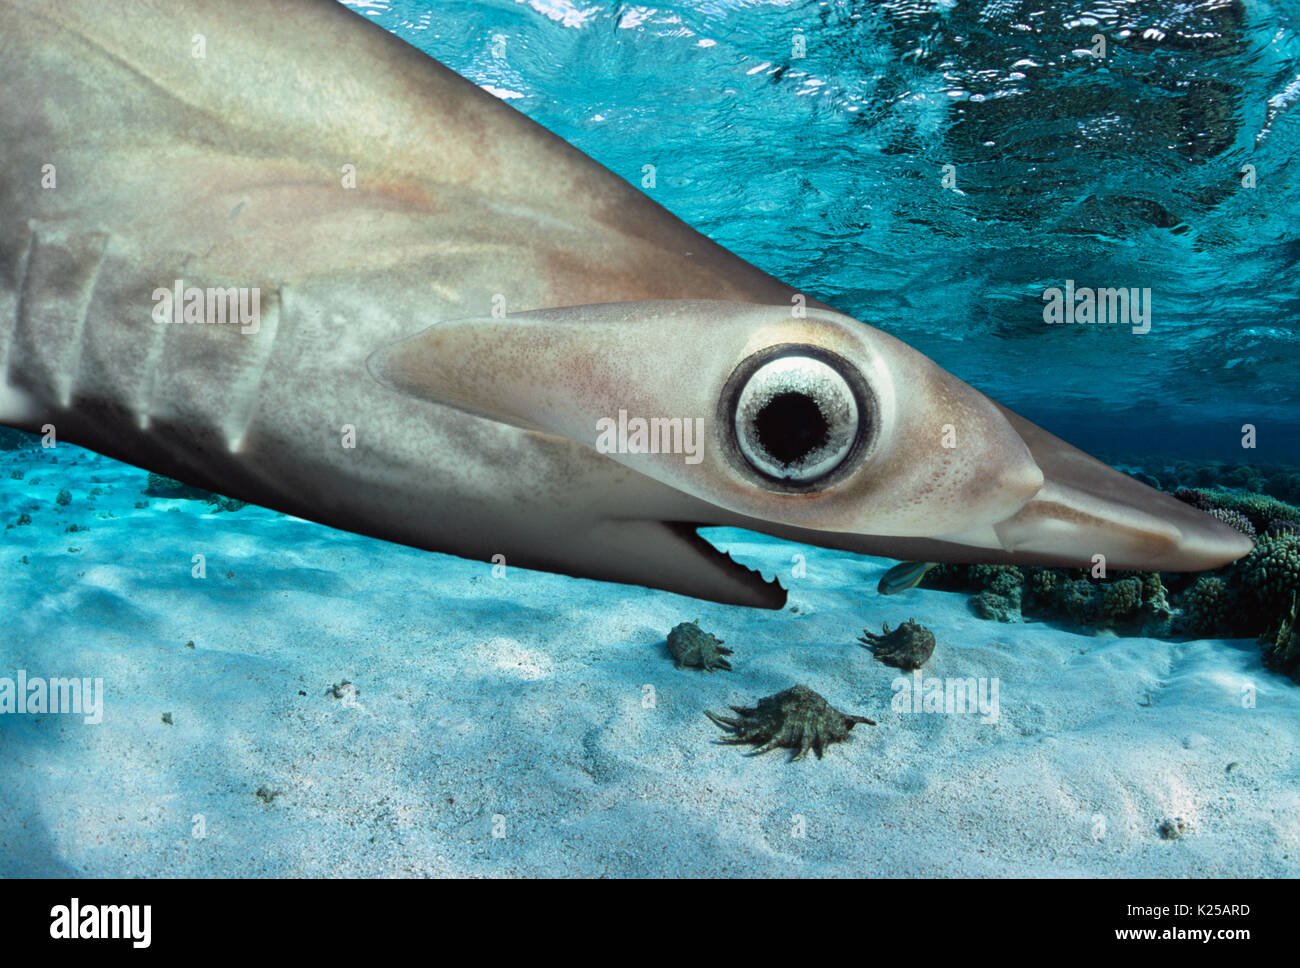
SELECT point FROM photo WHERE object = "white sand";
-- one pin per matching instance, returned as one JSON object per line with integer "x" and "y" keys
{"x": 518, "y": 704}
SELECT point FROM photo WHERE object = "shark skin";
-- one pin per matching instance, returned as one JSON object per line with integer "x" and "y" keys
{"x": 382, "y": 207}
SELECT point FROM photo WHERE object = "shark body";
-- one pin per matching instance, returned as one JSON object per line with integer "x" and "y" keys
{"x": 382, "y": 208}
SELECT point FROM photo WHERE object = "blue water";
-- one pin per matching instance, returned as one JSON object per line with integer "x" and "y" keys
{"x": 827, "y": 171}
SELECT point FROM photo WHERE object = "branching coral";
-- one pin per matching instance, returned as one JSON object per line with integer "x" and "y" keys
{"x": 1268, "y": 578}
{"x": 1282, "y": 647}
{"x": 1258, "y": 509}
{"x": 1205, "y": 607}
{"x": 1234, "y": 519}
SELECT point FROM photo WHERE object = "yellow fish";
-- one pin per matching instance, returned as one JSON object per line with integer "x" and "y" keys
{"x": 904, "y": 576}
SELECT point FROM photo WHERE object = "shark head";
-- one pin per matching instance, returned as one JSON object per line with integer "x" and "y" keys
{"x": 813, "y": 426}
{"x": 656, "y": 383}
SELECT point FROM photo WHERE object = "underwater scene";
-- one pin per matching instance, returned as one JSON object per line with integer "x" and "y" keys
{"x": 388, "y": 575}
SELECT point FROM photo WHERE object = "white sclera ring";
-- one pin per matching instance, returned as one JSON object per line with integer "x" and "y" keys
{"x": 791, "y": 378}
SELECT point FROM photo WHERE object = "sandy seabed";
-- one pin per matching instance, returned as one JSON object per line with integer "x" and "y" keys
{"x": 535, "y": 725}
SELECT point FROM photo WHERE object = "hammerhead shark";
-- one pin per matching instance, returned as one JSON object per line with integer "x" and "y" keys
{"x": 269, "y": 249}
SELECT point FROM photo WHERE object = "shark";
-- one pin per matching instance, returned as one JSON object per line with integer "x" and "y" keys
{"x": 267, "y": 248}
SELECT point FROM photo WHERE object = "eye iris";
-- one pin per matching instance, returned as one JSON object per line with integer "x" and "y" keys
{"x": 796, "y": 418}
{"x": 791, "y": 426}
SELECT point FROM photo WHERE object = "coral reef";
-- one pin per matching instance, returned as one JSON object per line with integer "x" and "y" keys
{"x": 1252, "y": 597}
{"x": 996, "y": 607}
{"x": 166, "y": 487}
{"x": 1134, "y": 603}
{"x": 160, "y": 486}
{"x": 692, "y": 646}
{"x": 907, "y": 647}
{"x": 1266, "y": 580}
{"x": 796, "y": 719}
{"x": 1204, "y": 606}
{"x": 1259, "y": 510}
{"x": 1280, "y": 526}
{"x": 999, "y": 588}
{"x": 1280, "y": 482}
{"x": 1282, "y": 648}
{"x": 11, "y": 439}
{"x": 1234, "y": 519}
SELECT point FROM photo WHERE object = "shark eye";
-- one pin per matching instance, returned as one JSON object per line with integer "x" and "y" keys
{"x": 796, "y": 419}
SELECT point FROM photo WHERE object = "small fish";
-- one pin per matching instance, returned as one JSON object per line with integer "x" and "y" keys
{"x": 904, "y": 576}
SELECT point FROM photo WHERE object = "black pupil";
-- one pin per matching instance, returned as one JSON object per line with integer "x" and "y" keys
{"x": 791, "y": 426}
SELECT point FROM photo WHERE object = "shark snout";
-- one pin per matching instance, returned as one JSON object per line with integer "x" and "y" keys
{"x": 1146, "y": 532}
{"x": 1086, "y": 508}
